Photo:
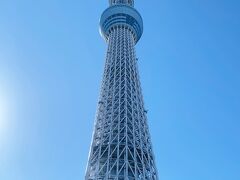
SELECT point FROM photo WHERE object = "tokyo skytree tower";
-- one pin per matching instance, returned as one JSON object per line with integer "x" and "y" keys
{"x": 121, "y": 147}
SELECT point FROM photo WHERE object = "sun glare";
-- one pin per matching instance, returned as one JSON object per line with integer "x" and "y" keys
{"x": 4, "y": 116}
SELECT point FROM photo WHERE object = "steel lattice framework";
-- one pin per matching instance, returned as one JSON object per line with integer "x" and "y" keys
{"x": 121, "y": 147}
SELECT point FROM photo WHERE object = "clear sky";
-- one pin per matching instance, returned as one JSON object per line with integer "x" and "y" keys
{"x": 51, "y": 65}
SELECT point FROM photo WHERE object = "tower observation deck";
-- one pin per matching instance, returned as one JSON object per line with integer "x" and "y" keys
{"x": 121, "y": 148}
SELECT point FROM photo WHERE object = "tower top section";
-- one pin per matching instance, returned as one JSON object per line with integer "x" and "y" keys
{"x": 121, "y": 13}
{"x": 125, "y": 2}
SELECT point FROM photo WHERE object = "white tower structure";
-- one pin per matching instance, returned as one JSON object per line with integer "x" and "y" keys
{"x": 121, "y": 147}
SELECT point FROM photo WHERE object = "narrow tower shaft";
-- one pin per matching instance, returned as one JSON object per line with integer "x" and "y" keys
{"x": 121, "y": 147}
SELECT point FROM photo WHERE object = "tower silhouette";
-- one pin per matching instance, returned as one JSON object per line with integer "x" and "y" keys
{"x": 121, "y": 147}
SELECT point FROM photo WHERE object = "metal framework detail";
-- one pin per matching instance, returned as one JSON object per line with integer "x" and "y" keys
{"x": 121, "y": 147}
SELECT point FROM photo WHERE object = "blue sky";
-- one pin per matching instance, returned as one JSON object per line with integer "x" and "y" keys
{"x": 51, "y": 65}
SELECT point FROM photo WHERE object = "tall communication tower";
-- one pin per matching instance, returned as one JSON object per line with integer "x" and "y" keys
{"x": 121, "y": 147}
